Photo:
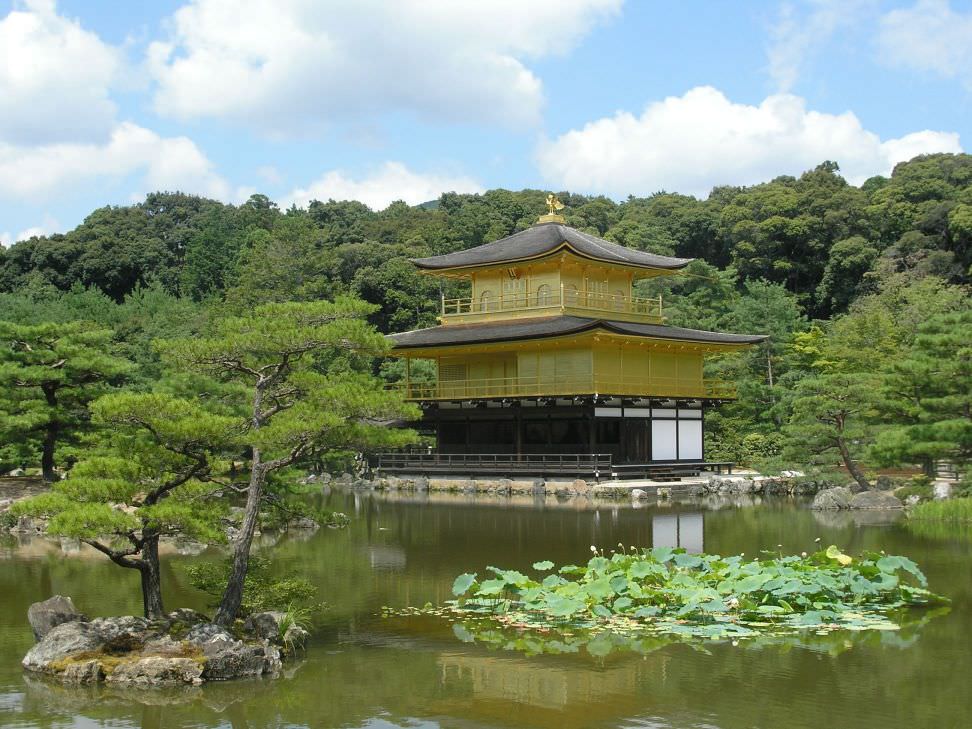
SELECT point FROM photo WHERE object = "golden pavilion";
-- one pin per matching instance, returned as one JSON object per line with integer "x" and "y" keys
{"x": 552, "y": 360}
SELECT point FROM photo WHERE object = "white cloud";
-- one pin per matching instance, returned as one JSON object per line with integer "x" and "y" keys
{"x": 166, "y": 163}
{"x": 54, "y": 77}
{"x": 392, "y": 181}
{"x": 58, "y": 126}
{"x": 270, "y": 174}
{"x": 928, "y": 36}
{"x": 693, "y": 142}
{"x": 47, "y": 226}
{"x": 294, "y": 65}
{"x": 799, "y": 33}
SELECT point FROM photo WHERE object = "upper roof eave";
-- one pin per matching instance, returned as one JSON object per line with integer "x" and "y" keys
{"x": 544, "y": 239}
{"x": 545, "y": 327}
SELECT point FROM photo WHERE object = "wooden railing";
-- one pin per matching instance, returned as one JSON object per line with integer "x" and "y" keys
{"x": 498, "y": 387}
{"x": 562, "y": 300}
{"x": 598, "y": 465}
{"x": 595, "y": 464}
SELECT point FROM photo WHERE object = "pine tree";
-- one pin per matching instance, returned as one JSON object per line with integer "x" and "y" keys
{"x": 49, "y": 373}
{"x": 928, "y": 397}
{"x": 303, "y": 400}
{"x": 152, "y": 476}
{"x": 832, "y": 413}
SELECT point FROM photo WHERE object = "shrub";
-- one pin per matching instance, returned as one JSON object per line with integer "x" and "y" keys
{"x": 265, "y": 588}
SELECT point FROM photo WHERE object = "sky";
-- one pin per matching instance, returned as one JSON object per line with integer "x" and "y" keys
{"x": 103, "y": 101}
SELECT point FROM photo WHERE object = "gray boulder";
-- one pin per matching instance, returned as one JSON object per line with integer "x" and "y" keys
{"x": 304, "y": 522}
{"x": 885, "y": 483}
{"x": 875, "y": 500}
{"x": 28, "y": 525}
{"x": 639, "y": 494}
{"x": 833, "y": 498}
{"x": 45, "y": 615}
{"x": 236, "y": 659}
{"x": 269, "y": 626}
{"x": 264, "y": 625}
{"x": 208, "y": 633}
{"x": 157, "y": 671}
{"x": 89, "y": 671}
{"x": 731, "y": 484}
{"x": 61, "y": 642}
{"x": 165, "y": 646}
{"x": 225, "y": 657}
{"x": 125, "y": 633}
{"x": 186, "y": 616}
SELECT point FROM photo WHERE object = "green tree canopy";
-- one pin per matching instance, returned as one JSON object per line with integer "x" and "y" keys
{"x": 296, "y": 409}
{"x": 151, "y": 477}
{"x": 49, "y": 373}
{"x": 928, "y": 396}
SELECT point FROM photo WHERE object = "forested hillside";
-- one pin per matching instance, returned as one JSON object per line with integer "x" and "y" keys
{"x": 863, "y": 289}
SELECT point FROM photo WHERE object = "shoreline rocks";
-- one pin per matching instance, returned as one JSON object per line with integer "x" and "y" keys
{"x": 181, "y": 648}
{"x": 841, "y": 497}
{"x": 47, "y": 615}
{"x": 835, "y": 498}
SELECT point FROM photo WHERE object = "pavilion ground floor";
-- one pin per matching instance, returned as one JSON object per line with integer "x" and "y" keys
{"x": 553, "y": 436}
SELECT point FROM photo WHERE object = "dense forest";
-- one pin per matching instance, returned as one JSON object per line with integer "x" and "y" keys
{"x": 864, "y": 291}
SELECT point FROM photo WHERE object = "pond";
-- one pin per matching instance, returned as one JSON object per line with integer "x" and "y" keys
{"x": 365, "y": 671}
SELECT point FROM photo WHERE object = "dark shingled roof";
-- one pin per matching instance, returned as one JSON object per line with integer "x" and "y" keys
{"x": 544, "y": 238}
{"x": 555, "y": 326}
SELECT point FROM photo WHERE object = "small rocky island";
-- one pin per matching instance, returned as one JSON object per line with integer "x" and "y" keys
{"x": 184, "y": 647}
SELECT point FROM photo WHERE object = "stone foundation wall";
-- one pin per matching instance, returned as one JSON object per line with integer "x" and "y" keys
{"x": 567, "y": 488}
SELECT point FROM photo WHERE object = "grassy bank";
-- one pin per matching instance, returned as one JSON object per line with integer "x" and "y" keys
{"x": 954, "y": 510}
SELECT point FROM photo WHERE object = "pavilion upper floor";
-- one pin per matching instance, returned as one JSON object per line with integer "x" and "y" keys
{"x": 562, "y": 356}
{"x": 550, "y": 269}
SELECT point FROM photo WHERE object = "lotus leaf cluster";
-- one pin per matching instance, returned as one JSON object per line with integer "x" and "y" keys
{"x": 668, "y": 592}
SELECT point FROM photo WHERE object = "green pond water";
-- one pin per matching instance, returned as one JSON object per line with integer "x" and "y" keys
{"x": 361, "y": 670}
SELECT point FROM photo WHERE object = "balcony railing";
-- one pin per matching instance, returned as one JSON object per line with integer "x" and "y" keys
{"x": 500, "y": 387}
{"x": 553, "y": 301}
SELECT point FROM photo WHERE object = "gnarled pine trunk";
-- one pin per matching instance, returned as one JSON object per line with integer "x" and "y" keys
{"x": 229, "y": 605}
{"x": 851, "y": 465}
{"x": 51, "y": 432}
{"x": 47, "y": 452}
{"x": 149, "y": 569}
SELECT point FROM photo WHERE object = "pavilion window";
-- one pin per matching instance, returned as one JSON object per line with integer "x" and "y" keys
{"x": 544, "y": 295}
{"x": 608, "y": 432}
{"x": 618, "y": 300}
{"x": 486, "y": 301}
{"x": 514, "y": 293}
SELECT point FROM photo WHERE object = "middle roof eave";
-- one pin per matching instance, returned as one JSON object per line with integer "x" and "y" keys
{"x": 544, "y": 238}
{"x": 555, "y": 326}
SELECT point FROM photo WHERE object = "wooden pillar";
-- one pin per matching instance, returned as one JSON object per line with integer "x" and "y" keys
{"x": 518, "y": 431}
{"x": 592, "y": 430}
{"x": 623, "y": 445}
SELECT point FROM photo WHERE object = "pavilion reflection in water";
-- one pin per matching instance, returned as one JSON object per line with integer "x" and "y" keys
{"x": 678, "y": 530}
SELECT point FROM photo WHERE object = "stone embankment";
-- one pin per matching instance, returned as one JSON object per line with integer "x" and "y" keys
{"x": 842, "y": 497}
{"x": 788, "y": 484}
{"x": 184, "y": 647}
